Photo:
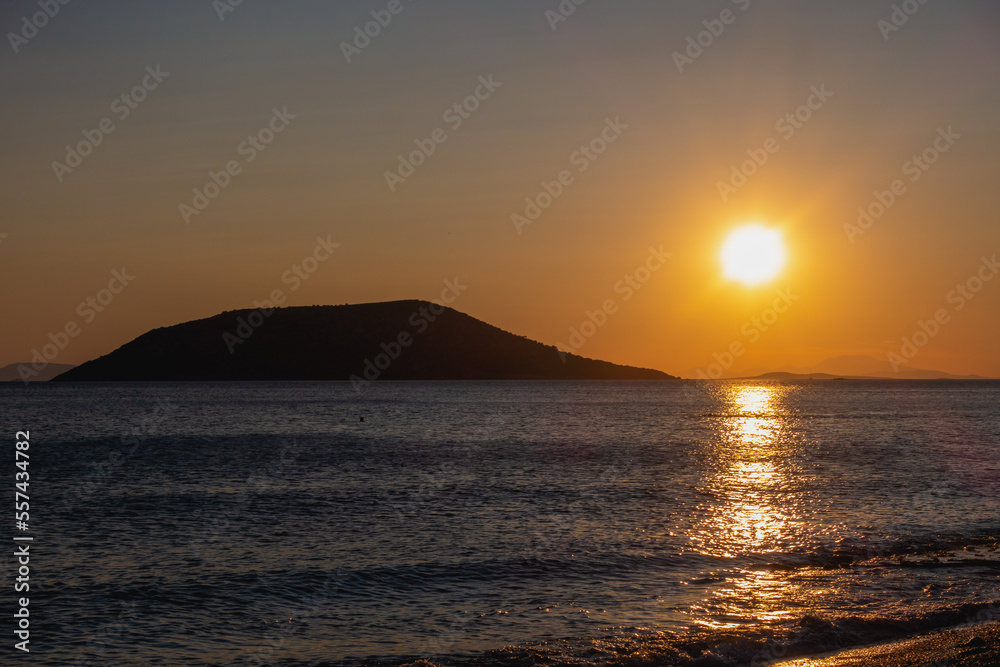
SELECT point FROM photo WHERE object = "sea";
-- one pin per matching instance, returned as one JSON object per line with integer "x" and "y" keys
{"x": 499, "y": 523}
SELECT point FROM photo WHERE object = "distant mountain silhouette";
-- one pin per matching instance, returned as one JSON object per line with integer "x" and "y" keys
{"x": 25, "y": 371}
{"x": 781, "y": 375}
{"x": 398, "y": 340}
{"x": 858, "y": 366}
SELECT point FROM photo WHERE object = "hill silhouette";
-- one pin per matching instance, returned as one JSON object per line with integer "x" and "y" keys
{"x": 398, "y": 340}
{"x": 25, "y": 372}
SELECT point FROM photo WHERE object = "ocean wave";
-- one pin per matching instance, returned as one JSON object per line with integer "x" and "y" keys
{"x": 754, "y": 646}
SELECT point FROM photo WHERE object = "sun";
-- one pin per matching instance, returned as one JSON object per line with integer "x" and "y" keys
{"x": 753, "y": 254}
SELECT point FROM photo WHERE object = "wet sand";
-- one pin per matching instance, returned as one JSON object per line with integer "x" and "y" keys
{"x": 975, "y": 646}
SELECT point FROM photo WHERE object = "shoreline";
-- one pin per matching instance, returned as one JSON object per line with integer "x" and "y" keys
{"x": 970, "y": 646}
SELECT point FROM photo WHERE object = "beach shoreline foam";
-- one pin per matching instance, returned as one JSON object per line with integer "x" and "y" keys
{"x": 970, "y": 646}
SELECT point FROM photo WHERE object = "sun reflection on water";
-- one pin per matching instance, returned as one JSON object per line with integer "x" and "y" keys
{"x": 745, "y": 515}
{"x": 751, "y": 511}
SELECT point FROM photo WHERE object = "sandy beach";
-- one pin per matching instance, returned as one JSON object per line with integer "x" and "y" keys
{"x": 975, "y": 646}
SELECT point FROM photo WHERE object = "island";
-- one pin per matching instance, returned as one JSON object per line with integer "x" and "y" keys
{"x": 362, "y": 343}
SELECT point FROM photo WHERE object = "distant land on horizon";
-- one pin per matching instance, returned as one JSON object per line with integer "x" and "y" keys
{"x": 396, "y": 340}
{"x": 12, "y": 372}
{"x": 855, "y": 367}
{"x": 779, "y": 375}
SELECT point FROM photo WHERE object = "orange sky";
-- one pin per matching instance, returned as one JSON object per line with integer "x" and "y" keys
{"x": 609, "y": 68}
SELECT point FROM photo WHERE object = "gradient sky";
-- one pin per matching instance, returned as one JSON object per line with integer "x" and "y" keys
{"x": 656, "y": 185}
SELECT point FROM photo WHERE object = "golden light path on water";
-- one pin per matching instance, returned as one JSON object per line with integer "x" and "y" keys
{"x": 753, "y": 506}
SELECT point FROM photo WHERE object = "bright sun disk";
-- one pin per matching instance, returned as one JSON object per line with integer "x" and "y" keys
{"x": 753, "y": 255}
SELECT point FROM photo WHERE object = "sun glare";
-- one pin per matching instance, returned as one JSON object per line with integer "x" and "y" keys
{"x": 753, "y": 255}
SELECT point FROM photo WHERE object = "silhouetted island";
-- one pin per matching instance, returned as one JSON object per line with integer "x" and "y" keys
{"x": 398, "y": 340}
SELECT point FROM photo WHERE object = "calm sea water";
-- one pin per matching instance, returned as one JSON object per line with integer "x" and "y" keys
{"x": 515, "y": 523}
